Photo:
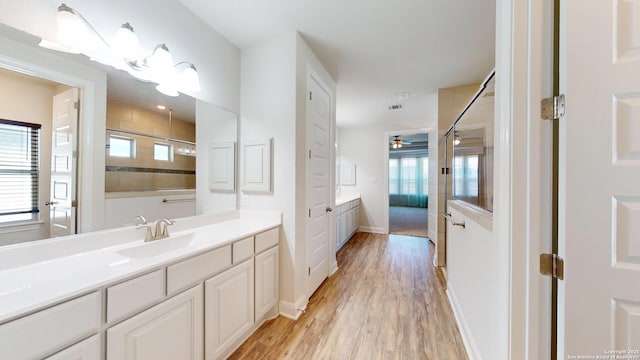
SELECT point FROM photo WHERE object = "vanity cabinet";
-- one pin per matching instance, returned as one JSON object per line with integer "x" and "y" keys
{"x": 347, "y": 221}
{"x": 170, "y": 330}
{"x": 88, "y": 349}
{"x": 49, "y": 330}
{"x": 192, "y": 308}
{"x": 228, "y": 308}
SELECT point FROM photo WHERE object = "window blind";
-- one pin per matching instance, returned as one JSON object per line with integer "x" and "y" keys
{"x": 19, "y": 170}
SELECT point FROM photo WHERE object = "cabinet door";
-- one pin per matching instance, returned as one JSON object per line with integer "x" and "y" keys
{"x": 349, "y": 223}
{"x": 343, "y": 227}
{"x": 228, "y": 308}
{"x": 170, "y": 330}
{"x": 266, "y": 281}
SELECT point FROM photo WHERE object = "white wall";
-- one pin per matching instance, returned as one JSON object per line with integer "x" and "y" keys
{"x": 367, "y": 147}
{"x": 475, "y": 292}
{"x": 273, "y": 83}
{"x": 188, "y": 38}
{"x": 268, "y": 110}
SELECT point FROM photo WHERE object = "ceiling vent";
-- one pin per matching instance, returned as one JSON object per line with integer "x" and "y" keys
{"x": 395, "y": 107}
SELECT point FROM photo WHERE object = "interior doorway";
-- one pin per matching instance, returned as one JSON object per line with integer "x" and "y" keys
{"x": 409, "y": 184}
{"x": 37, "y": 157}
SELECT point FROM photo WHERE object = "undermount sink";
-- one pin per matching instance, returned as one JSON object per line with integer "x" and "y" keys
{"x": 157, "y": 247}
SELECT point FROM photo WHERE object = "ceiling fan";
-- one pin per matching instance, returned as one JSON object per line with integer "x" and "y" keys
{"x": 397, "y": 143}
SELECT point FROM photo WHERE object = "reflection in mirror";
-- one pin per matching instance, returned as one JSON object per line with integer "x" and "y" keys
{"x": 216, "y": 135}
{"x": 473, "y": 144}
{"x": 131, "y": 99}
{"x": 150, "y": 138}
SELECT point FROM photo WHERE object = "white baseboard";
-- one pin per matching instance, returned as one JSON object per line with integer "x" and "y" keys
{"x": 465, "y": 332}
{"x": 293, "y": 311}
{"x": 372, "y": 229}
{"x": 334, "y": 268}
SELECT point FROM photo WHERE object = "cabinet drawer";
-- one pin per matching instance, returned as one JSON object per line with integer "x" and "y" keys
{"x": 88, "y": 349}
{"x": 354, "y": 203}
{"x": 135, "y": 294}
{"x": 39, "y": 334}
{"x": 242, "y": 250}
{"x": 191, "y": 271}
{"x": 267, "y": 239}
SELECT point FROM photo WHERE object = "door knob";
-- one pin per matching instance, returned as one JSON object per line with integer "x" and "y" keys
{"x": 328, "y": 209}
{"x": 50, "y": 203}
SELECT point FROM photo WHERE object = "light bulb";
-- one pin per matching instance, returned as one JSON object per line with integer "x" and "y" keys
{"x": 456, "y": 142}
{"x": 189, "y": 80}
{"x": 167, "y": 89}
{"x": 72, "y": 30}
{"x": 127, "y": 44}
{"x": 160, "y": 61}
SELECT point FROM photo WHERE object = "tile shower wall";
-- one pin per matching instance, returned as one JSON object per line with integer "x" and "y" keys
{"x": 143, "y": 173}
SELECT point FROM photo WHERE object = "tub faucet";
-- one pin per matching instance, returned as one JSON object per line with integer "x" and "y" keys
{"x": 162, "y": 228}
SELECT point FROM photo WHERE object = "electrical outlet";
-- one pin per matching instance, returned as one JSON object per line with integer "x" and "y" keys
{"x": 245, "y": 200}
{"x": 233, "y": 199}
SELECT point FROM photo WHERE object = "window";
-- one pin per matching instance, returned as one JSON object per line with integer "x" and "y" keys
{"x": 393, "y": 176}
{"x": 19, "y": 171}
{"x": 120, "y": 146}
{"x": 162, "y": 152}
{"x": 465, "y": 177}
{"x": 409, "y": 181}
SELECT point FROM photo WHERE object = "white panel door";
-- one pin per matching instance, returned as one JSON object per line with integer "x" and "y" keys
{"x": 62, "y": 213}
{"x": 170, "y": 330}
{"x": 599, "y": 203}
{"x": 318, "y": 184}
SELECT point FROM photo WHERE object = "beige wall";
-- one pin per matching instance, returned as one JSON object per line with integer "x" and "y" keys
{"x": 28, "y": 99}
{"x": 126, "y": 117}
{"x": 451, "y": 102}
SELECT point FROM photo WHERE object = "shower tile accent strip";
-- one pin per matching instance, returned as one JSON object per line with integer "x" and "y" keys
{"x": 148, "y": 170}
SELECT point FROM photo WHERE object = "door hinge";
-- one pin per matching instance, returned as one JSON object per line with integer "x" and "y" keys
{"x": 309, "y": 271}
{"x": 309, "y": 212}
{"x": 309, "y": 154}
{"x": 552, "y": 265}
{"x": 76, "y": 105}
{"x": 310, "y": 96}
{"x": 552, "y": 108}
{"x": 74, "y": 203}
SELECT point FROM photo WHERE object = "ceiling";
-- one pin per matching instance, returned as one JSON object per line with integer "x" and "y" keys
{"x": 374, "y": 49}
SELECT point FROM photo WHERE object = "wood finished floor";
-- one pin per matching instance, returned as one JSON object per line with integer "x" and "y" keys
{"x": 386, "y": 301}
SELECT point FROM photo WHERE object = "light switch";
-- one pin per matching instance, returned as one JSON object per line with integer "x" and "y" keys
{"x": 374, "y": 179}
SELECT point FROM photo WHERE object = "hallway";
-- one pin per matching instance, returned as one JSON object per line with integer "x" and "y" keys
{"x": 386, "y": 301}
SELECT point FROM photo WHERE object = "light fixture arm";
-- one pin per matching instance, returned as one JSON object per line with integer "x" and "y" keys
{"x": 64, "y": 7}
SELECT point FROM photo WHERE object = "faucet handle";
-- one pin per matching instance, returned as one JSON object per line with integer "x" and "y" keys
{"x": 142, "y": 220}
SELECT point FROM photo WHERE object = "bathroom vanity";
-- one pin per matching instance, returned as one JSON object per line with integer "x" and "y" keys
{"x": 197, "y": 294}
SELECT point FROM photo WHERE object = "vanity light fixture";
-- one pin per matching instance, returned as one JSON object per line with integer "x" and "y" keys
{"x": 456, "y": 139}
{"x": 76, "y": 35}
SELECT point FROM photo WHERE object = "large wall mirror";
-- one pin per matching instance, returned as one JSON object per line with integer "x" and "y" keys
{"x": 470, "y": 150}
{"x": 155, "y": 154}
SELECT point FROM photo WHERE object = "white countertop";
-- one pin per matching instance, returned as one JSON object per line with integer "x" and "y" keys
{"x": 345, "y": 198}
{"x": 28, "y": 286}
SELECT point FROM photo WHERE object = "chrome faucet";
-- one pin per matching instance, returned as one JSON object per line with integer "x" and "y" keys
{"x": 162, "y": 228}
